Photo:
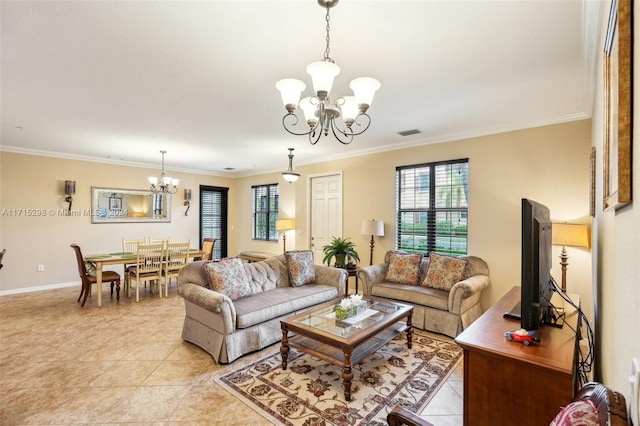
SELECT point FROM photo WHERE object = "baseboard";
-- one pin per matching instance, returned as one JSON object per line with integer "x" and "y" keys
{"x": 40, "y": 288}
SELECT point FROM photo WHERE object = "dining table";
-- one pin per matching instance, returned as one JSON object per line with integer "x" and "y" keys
{"x": 120, "y": 258}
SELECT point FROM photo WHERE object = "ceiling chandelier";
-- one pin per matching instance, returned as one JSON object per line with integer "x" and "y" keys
{"x": 164, "y": 185}
{"x": 289, "y": 175}
{"x": 318, "y": 110}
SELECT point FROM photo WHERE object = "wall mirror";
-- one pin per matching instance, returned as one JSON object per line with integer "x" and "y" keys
{"x": 110, "y": 205}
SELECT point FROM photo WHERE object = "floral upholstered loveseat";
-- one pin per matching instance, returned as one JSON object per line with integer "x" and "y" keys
{"x": 233, "y": 308}
{"x": 445, "y": 291}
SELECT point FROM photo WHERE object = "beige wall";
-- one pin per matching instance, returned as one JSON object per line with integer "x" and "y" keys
{"x": 35, "y": 182}
{"x": 616, "y": 254}
{"x": 547, "y": 164}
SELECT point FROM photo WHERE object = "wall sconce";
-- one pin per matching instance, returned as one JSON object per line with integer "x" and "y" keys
{"x": 69, "y": 190}
{"x": 187, "y": 200}
{"x": 285, "y": 225}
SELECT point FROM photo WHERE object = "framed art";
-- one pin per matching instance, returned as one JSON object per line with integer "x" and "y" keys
{"x": 617, "y": 107}
{"x": 115, "y": 203}
{"x": 592, "y": 182}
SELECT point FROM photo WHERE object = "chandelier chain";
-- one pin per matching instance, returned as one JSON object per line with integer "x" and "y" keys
{"x": 327, "y": 49}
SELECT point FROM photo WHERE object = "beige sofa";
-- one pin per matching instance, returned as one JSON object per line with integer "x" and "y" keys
{"x": 228, "y": 329}
{"x": 441, "y": 311}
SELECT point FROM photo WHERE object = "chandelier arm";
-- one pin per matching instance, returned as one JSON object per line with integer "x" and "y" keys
{"x": 315, "y": 136}
{"x": 284, "y": 124}
{"x": 348, "y": 136}
{"x": 350, "y": 132}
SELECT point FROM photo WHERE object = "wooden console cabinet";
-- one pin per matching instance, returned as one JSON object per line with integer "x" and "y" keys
{"x": 509, "y": 383}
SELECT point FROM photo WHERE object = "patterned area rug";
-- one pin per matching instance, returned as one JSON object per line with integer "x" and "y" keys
{"x": 310, "y": 391}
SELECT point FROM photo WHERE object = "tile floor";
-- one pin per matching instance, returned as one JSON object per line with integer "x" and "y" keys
{"x": 125, "y": 363}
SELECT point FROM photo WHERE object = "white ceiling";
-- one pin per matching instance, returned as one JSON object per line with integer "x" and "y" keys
{"x": 117, "y": 81}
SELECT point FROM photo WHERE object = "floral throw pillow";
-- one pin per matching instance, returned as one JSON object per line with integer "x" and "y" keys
{"x": 91, "y": 268}
{"x": 444, "y": 271}
{"x": 228, "y": 276}
{"x": 583, "y": 413}
{"x": 403, "y": 268}
{"x": 300, "y": 267}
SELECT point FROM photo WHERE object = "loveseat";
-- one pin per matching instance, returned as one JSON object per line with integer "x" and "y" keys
{"x": 446, "y": 296}
{"x": 233, "y": 307}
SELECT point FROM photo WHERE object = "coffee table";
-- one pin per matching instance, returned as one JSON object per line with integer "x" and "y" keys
{"x": 345, "y": 342}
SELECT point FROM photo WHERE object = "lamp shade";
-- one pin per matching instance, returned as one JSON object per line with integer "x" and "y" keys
{"x": 349, "y": 109}
{"x": 290, "y": 90}
{"x": 322, "y": 74}
{"x": 373, "y": 227}
{"x": 309, "y": 110}
{"x": 363, "y": 89}
{"x": 70, "y": 187}
{"x": 285, "y": 224}
{"x": 290, "y": 177}
{"x": 570, "y": 234}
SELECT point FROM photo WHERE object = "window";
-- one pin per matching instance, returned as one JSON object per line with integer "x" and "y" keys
{"x": 265, "y": 212}
{"x": 213, "y": 218}
{"x": 432, "y": 207}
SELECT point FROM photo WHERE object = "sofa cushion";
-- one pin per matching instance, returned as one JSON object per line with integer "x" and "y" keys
{"x": 414, "y": 295}
{"x": 444, "y": 271}
{"x": 403, "y": 268}
{"x": 300, "y": 267}
{"x": 227, "y": 276}
{"x": 280, "y": 301}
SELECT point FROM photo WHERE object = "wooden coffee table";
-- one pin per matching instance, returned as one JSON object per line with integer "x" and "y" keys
{"x": 345, "y": 342}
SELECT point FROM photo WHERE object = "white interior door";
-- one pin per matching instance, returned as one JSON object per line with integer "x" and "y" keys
{"x": 325, "y": 210}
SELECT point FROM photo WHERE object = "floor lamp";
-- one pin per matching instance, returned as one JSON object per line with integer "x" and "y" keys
{"x": 375, "y": 228}
{"x": 285, "y": 225}
{"x": 568, "y": 234}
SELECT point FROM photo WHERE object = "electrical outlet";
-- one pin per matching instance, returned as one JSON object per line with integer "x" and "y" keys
{"x": 40, "y": 268}
{"x": 634, "y": 380}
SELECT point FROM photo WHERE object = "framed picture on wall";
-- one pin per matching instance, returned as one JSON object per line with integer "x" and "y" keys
{"x": 617, "y": 107}
{"x": 115, "y": 203}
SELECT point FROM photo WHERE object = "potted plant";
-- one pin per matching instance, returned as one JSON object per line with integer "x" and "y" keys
{"x": 343, "y": 249}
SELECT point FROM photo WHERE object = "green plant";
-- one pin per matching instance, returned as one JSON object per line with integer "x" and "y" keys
{"x": 342, "y": 249}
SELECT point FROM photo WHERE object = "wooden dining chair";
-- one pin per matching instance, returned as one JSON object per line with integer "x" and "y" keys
{"x": 163, "y": 241}
{"x": 130, "y": 246}
{"x": 175, "y": 258}
{"x": 207, "y": 248}
{"x": 148, "y": 267}
{"x": 88, "y": 278}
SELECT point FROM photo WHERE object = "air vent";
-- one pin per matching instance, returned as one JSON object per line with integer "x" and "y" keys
{"x": 229, "y": 168}
{"x": 409, "y": 132}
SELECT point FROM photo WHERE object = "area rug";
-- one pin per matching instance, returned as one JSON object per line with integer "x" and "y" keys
{"x": 309, "y": 391}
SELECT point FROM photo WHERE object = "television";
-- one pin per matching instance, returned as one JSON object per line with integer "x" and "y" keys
{"x": 536, "y": 287}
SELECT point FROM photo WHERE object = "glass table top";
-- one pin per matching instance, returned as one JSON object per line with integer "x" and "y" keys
{"x": 325, "y": 319}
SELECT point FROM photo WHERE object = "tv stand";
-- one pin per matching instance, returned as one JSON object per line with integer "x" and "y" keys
{"x": 506, "y": 380}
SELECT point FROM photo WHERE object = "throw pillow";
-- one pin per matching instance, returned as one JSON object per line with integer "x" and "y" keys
{"x": 300, "y": 267}
{"x": 444, "y": 271}
{"x": 91, "y": 268}
{"x": 582, "y": 412}
{"x": 403, "y": 268}
{"x": 228, "y": 276}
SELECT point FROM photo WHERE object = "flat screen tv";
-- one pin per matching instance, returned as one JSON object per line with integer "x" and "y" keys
{"x": 536, "y": 285}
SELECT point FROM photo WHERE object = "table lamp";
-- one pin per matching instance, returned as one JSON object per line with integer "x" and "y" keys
{"x": 568, "y": 234}
{"x": 285, "y": 225}
{"x": 374, "y": 228}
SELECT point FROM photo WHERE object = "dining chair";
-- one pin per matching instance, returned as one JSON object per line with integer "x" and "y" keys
{"x": 88, "y": 277}
{"x": 148, "y": 267}
{"x": 163, "y": 241}
{"x": 175, "y": 258}
{"x": 207, "y": 248}
{"x": 130, "y": 246}
{"x": 2, "y": 256}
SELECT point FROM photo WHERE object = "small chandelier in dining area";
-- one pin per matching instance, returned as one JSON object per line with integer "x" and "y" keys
{"x": 319, "y": 112}
{"x": 289, "y": 175}
{"x": 164, "y": 184}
